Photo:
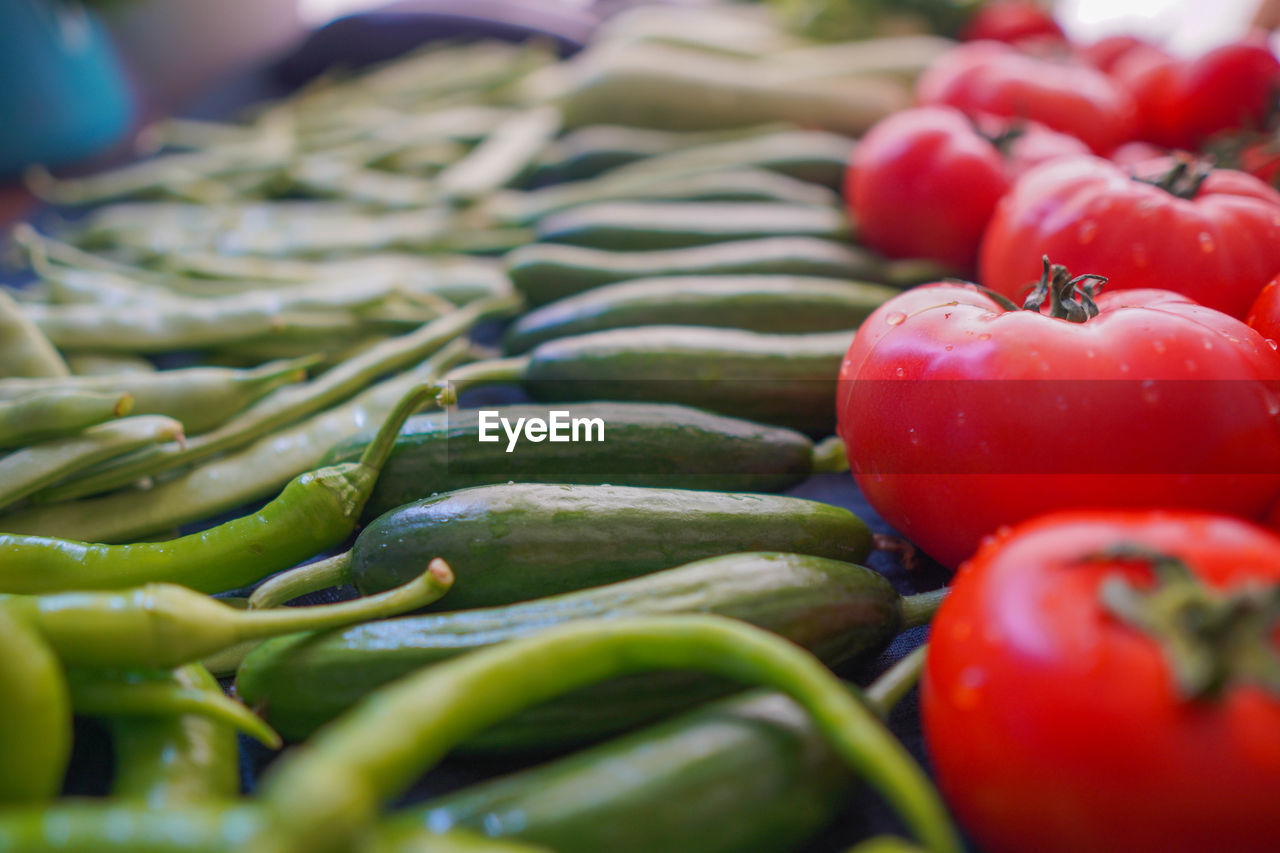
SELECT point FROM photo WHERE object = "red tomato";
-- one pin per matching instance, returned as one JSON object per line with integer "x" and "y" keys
{"x": 1012, "y": 21}
{"x": 1181, "y": 103}
{"x": 991, "y": 77}
{"x": 1133, "y": 153}
{"x": 1054, "y": 721}
{"x": 1264, "y": 314}
{"x": 1105, "y": 53}
{"x": 960, "y": 416}
{"x": 1262, "y": 160}
{"x": 1219, "y": 246}
{"x": 923, "y": 182}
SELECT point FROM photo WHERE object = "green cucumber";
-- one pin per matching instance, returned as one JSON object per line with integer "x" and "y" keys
{"x": 834, "y": 608}
{"x": 638, "y": 225}
{"x": 749, "y": 774}
{"x": 759, "y": 303}
{"x": 546, "y": 272}
{"x": 786, "y": 380}
{"x": 526, "y": 208}
{"x": 517, "y": 541}
{"x": 640, "y": 444}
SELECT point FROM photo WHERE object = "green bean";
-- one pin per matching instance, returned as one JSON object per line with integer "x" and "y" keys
{"x": 24, "y": 350}
{"x": 110, "y": 826}
{"x": 57, "y": 413}
{"x": 403, "y": 838}
{"x": 176, "y": 760}
{"x": 326, "y": 792}
{"x": 32, "y": 468}
{"x": 250, "y": 474}
{"x": 734, "y": 185}
{"x": 107, "y": 364}
{"x": 35, "y": 715}
{"x": 144, "y": 695}
{"x": 163, "y": 625}
{"x": 502, "y": 157}
{"x": 422, "y": 159}
{"x": 287, "y": 404}
{"x": 199, "y": 397}
{"x": 331, "y": 177}
{"x": 315, "y": 511}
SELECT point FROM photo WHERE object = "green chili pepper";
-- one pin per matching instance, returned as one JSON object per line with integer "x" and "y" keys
{"x": 178, "y": 759}
{"x": 229, "y": 481}
{"x": 327, "y": 791}
{"x": 31, "y": 468}
{"x": 110, "y": 826}
{"x": 286, "y": 404}
{"x": 24, "y": 350}
{"x": 315, "y": 511}
{"x": 150, "y": 695}
{"x": 199, "y": 397}
{"x": 57, "y": 413}
{"x": 35, "y": 715}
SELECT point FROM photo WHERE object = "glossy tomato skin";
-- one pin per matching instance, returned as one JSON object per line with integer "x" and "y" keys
{"x": 959, "y": 416}
{"x": 988, "y": 77}
{"x": 1012, "y": 21}
{"x": 1104, "y": 53}
{"x": 1054, "y": 727}
{"x": 1219, "y": 247}
{"x": 1182, "y": 103}
{"x": 923, "y": 182}
{"x": 1264, "y": 314}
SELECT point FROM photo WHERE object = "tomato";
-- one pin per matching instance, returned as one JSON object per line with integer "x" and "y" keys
{"x": 1219, "y": 245}
{"x": 1054, "y": 714}
{"x": 1012, "y": 21}
{"x": 1182, "y": 103}
{"x": 923, "y": 182}
{"x": 991, "y": 77}
{"x": 1105, "y": 53}
{"x": 959, "y": 415}
{"x": 1264, "y": 314}
{"x": 1133, "y": 153}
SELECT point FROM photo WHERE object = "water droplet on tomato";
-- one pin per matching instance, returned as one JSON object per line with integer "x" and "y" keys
{"x": 948, "y": 347}
{"x": 1149, "y": 392}
{"x": 1272, "y": 344}
{"x": 1191, "y": 366}
{"x": 984, "y": 337}
{"x": 1158, "y": 346}
{"x": 1124, "y": 368}
{"x": 1090, "y": 354}
{"x": 1140, "y": 255}
{"x": 896, "y": 318}
{"x": 1088, "y": 231}
{"x": 1208, "y": 344}
{"x": 1004, "y": 531}
{"x": 900, "y": 372}
{"x": 915, "y": 439}
{"x": 969, "y": 686}
{"x": 1206, "y": 242}
{"x": 960, "y": 418}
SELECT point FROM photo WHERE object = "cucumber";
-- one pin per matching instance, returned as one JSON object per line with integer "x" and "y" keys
{"x": 787, "y": 380}
{"x": 631, "y": 226}
{"x": 545, "y": 272}
{"x": 644, "y": 444}
{"x": 517, "y": 541}
{"x": 525, "y": 208}
{"x": 757, "y": 303}
{"x": 836, "y": 609}
{"x": 815, "y": 156}
{"x": 749, "y": 774}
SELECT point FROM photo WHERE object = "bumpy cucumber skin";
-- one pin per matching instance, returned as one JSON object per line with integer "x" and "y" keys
{"x": 835, "y": 608}
{"x": 645, "y": 444}
{"x": 641, "y": 226}
{"x": 747, "y": 775}
{"x": 545, "y": 272}
{"x": 776, "y": 304}
{"x": 787, "y": 380}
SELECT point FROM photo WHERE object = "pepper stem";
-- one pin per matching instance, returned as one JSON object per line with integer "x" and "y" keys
{"x": 895, "y": 682}
{"x": 829, "y": 456}
{"x": 376, "y": 454}
{"x": 918, "y": 609}
{"x": 295, "y": 583}
{"x": 495, "y": 371}
{"x": 1211, "y": 638}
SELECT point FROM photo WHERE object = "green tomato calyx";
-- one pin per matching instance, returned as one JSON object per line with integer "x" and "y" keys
{"x": 1070, "y": 298}
{"x": 1211, "y": 638}
{"x": 1184, "y": 178}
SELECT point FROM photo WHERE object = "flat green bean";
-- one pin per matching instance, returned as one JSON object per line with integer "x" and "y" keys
{"x": 328, "y": 791}
{"x": 36, "y": 466}
{"x": 107, "y": 364}
{"x": 56, "y": 413}
{"x": 24, "y": 350}
{"x": 502, "y": 157}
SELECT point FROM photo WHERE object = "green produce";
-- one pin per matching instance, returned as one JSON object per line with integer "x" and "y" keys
{"x": 35, "y": 716}
{"x": 815, "y": 156}
{"x": 636, "y": 226}
{"x": 24, "y": 350}
{"x": 57, "y": 413}
{"x": 325, "y": 794}
{"x": 545, "y": 272}
{"x": 639, "y": 444}
{"x": 835, "y": 609}
{"x": 758, "y": 303}
{"x": 788, "y": 380}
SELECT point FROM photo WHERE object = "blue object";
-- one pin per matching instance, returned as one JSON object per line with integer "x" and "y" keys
{"x": 63, "y": 94}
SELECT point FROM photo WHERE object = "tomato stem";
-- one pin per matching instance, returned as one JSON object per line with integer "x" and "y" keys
{"x": 1070, "y": 299}
{"x": 1184, "y": 179}
{"x": 1211, "y": 638}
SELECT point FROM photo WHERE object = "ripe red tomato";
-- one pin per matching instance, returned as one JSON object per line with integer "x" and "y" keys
{"x": 1181, "y": 103}
{"x": 1053, "y": 716}
{"x": 959, "y": 416}
{"x": 923, "y": 182}
{"x": 1219, "y": 245}
{"x": 990, "y": 77}
{"x": 1103, "y": 54}
{"x": 1264, "y": 314}
{"x": 1012, "y": 21}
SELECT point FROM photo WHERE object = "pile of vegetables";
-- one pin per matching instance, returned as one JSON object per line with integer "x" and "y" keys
{"x": 700, "y": 233}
